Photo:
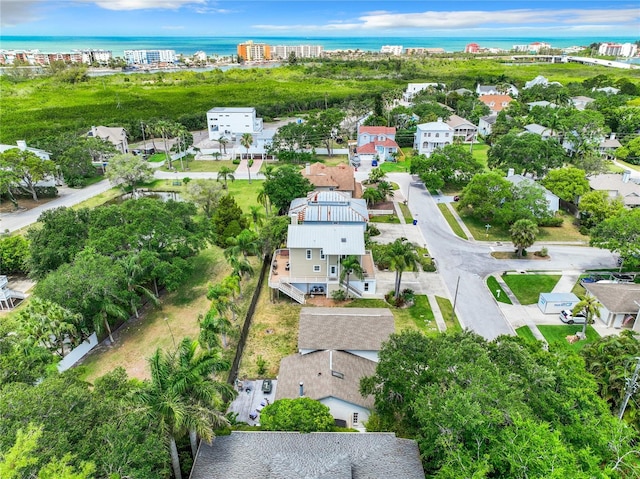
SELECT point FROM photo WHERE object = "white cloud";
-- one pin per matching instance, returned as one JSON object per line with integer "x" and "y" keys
{"x": 15, "y": 12}
{"x": 145, "y": 4}
{"x": 455, "y": 20}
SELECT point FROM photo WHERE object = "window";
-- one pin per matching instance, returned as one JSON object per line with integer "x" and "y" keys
{"x": 333, "y": 270}
{"x": 366, "y": 286}
{"x": 446, "y": 134}
{"x": 316, "y": 268}
{"x": 437, "y": 135}
{"x": 309, "y": 254}
{"x": 337, "y": 374}
{"x": 355, "y": 418}
{"x": 322, "y": 256}
{"x": 429, "y": 135}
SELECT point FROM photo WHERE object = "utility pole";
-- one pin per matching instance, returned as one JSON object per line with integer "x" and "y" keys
{"x": 455, "y": 300}
{"x": 632, "y": 387}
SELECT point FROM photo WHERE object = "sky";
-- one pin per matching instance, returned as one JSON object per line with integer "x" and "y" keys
{"x": 418, "y": 18}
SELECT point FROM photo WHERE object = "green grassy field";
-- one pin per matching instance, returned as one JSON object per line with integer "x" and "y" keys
{"x": 525, "y": 333}
{"x": 451, "y": 220}
{"x": 494, "y": 287}
{"x": 527, "y": 287}
{"x": 450, "y": 318}
{"x": 556, "y": 336}
{"x": 566, "y": 232}
{"x": 43, "y": 106}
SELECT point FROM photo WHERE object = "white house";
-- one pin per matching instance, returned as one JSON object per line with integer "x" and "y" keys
{"x": 391, "y": 49}
{"x": 414, "y": 88}
{"x": 431, "y": 136}
{"x": 232, "y": 122}
{"x": 336, "y": 348}
{"x": 376, "y": 142}
{"x": 581, "y": 102}
{"x": 485, "y": 124}
{"x": 540, "y": 80}
{"x": 482, "y": 90}
{"x": 608, "y": 146}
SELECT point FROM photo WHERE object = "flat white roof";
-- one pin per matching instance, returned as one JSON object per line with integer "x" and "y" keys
{"x": 232, "y": 109}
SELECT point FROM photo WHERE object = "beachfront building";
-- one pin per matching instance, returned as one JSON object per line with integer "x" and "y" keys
{"x": 251, "y": 51}
{"x": 149, "y": 57}
{"x": 282, "y": 52}
{"x": 431, "y": 136}
{"x": 617, "y": 49}
{"x": 424, "y": 51}
{"x": 391, "y": 49}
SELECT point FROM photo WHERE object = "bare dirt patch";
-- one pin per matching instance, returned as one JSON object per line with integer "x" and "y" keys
{"x": 510, "y": 255}
{"x": 24, "y": 204}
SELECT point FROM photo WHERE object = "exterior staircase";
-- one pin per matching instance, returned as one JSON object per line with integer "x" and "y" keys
{"x": 291, "y": 291}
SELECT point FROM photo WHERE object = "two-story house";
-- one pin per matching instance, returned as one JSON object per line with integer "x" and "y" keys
{"x": 463, "y": 129}
{"x": 329, "y": 207}
{"x": 431, "y": 136}
{"x": 117, "y": 136}
{"x": 543, "y": 131}
{"x": 232, "y": 123}
{"x": 496, "y": 103}
{"x": 414, "y": 88}
{"x": 482, "y": 90}
{"x": 376, "y": 143}
{"x": 337, "y": 347}
{"x": 311, "y": 264}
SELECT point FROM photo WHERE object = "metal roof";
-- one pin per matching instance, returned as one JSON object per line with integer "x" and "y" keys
{"x": 333, "y": 239}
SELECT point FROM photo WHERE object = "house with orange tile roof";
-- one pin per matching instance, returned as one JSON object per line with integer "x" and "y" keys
{"x": 333, "y": 178}
{"x": 496, "y": 103}
{"x": 376, "y": 143}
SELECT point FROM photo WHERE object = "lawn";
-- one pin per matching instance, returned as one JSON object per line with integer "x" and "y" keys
{"x": 408, "y": 217}
{"x": 451, "y": 220}
{"x": 629, "y": 165}
{"x": 527, "y": 287}
{"x": 567, "y": 232}
{"x": 418, "y": 317}
{"x": 273, "y": 334}
{"x": 157, "y": 158}
{"x": 556, "y": 336}
{"x": 395, "y": 167}
{"x": 174, "y": 319}
{"x": 525, "y": 333}
{"x": 199, "y": 166}
{"x": 393, "y": 219}
{"x": 479, "y": 153}
{"x": 100, "y": 199}
{"x": 497, "y": 291}
{"x": 450, "y": 319}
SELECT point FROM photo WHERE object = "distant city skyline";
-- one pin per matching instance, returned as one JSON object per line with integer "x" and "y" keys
{"x": 320, "y": 18}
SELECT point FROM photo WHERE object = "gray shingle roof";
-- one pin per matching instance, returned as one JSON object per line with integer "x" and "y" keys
{"x": 333, "y": 239}
{"x": 315, "y": 371}
{"x": 617, "y": 298}
{"x": 344, "y": 329}
{"x": 291, "y": 455}
{"x": 629, "y": 192}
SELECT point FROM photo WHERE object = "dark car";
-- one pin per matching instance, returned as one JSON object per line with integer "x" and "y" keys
{"x": 566, "y": 316}
{"x": 456, "y": 198}
{"x": 623, "y": 278}
{"x": 267, "y": 386}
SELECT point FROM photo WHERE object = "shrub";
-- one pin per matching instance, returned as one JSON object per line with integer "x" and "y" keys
{"x": 14, "y": 252}
{"x": 236, "y": 161}
{"x": 339, "y": 295}
{"x": 262, "y": 365}
{"x": 372, "y": 230}
{"x": 554, "y": 221}
{"x": 301, "y": 414}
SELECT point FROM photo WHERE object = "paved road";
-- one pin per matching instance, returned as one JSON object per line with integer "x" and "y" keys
{"x": 470, "y": 262}
{"x": 68, "y": 197}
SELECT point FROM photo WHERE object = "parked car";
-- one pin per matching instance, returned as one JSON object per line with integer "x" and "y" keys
{"x": 456, "y": 198}
{"x": 267, "y": 386}
{"x": 623, "y": 278}
{"x": 566, "y": 316}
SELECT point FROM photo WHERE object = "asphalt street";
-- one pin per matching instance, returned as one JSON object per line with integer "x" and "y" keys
{"x": 464, "y": 265}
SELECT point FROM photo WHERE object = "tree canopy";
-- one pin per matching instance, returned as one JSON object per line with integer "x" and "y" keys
{"x": 567, "y": 183}
{"x": 620, "y": 234}
{"x": 284, "y": 185}
{"x": 300, "y": 414}
{"x": 526, "y": 153}
{"x": 497, "y": 409}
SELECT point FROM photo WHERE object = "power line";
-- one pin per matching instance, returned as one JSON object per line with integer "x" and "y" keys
{"x": 631, "y": 387}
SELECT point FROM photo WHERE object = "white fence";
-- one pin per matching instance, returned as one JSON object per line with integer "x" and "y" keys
{"x": 78, "y": 353}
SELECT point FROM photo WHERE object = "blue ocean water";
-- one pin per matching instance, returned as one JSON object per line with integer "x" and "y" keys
{"x": 227, "y": 45}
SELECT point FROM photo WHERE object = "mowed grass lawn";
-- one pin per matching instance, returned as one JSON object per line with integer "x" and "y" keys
{"x": 566, "y": 232}
{"x": 556, "y": 336}
{"x": 451, "y": 220}
{"x": 527, "y": 287}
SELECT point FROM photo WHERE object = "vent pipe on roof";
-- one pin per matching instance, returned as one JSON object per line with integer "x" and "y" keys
{"x": 301, "y": 389}
{"x": 22, "y": 144}
{"x": 307, "y": 169}
{"x": 626, "y": 175}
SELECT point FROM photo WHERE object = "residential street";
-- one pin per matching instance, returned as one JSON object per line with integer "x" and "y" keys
{"x": 471, "y": 262}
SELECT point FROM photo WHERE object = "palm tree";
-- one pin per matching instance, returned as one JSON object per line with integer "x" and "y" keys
{"x": 590, "y": 306}
{"x": 371, "y": 196}
{"x": 263, "y": 199}
{"x": 402, "y": 256}
{"x": 246, "y": 140}
{"x": 226, "y": 173}
{"x": 257, "y": 218}
{"x": 165, "y": 129}
{"x": 239, "y": 267}
{"x": 222, "y": 144}
{"x": 193, "y": 380}
{"x": 108, "y": 307}
{"x": 245, "y": 243}
{"x": 385, "y": 189}
{"x": 177, "y": 398}
{"x": 212, "y": 325}
{"x": 135, "y": 275}
{"x": 523, "y": 234}
{"x": 351, "y": 266}
{"x": 249, "y": 165}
